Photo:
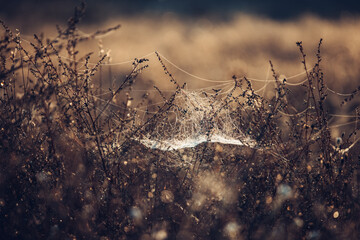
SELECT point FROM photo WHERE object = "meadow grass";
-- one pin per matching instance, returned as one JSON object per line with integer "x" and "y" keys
{"x": 73, "y": 167}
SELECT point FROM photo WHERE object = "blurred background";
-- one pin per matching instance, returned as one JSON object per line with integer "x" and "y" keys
{"x": 210, "y": 39}
{"x": 106, "y": 9}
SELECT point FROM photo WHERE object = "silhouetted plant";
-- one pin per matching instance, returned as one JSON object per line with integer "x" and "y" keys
{"x": 73, "y": 166}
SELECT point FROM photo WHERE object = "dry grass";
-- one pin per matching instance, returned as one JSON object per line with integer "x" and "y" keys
{"x": 72, "y": 166}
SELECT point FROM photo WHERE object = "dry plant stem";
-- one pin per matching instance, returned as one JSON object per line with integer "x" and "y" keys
{"x": 320, "y": 119}
{"x": 274, "y": 111}
{"x": 311, "y": 95}
{"x": 123, "y": 84}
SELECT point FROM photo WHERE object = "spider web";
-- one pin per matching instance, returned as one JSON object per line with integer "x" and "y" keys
{"x": 195, "y": 118}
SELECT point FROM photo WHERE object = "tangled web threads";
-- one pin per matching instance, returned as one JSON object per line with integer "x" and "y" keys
{"x": 194, "y": 118}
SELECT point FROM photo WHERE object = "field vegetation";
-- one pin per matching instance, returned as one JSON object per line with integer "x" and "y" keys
{"x": 73, "y": 163}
